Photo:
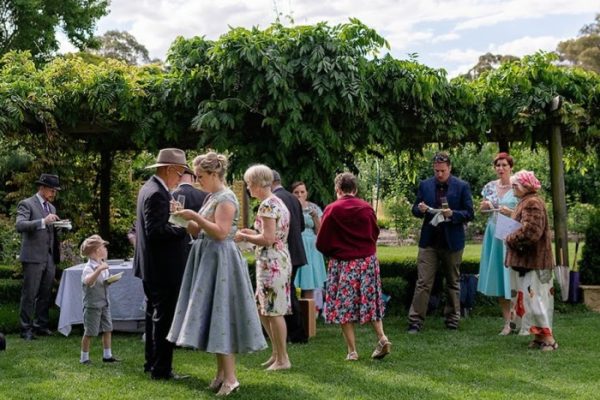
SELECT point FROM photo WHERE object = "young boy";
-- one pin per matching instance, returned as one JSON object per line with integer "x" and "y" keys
{"x": 96, "y": 308}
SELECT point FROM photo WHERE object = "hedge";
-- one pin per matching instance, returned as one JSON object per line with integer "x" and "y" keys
{"x": 8, "y": 271}
{"x": 10, "y": 290}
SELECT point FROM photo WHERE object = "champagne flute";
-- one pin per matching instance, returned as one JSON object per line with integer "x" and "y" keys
{"x": 444, "y": 201}
{"x": 180, "y": 202}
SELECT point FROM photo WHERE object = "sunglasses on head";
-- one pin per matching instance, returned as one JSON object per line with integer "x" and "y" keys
{"x": 441, "y": 158}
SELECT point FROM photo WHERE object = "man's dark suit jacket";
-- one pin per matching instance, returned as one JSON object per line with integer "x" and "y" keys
{"x": 295, "y": 244}
{"x": 459, "y": 201}
{"x": 160, "y": 247}
{"x": 194, "y": 198}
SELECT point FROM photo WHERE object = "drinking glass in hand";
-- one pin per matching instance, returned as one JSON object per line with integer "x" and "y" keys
{"x": 180, "y": 205}
{"x": 444, "y": 201}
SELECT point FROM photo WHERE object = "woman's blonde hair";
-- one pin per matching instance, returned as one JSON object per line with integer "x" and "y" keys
{"x": 212, "y": 162}
{"x": 259, "y": 174}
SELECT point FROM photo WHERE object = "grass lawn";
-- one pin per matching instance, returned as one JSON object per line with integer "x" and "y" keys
{"x": 472, "y": 363}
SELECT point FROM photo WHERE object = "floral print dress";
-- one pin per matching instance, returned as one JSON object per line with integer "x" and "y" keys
{"x": 273, "y": 263}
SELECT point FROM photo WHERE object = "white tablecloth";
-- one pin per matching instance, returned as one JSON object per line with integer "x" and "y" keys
{"x": 126, "y": 298}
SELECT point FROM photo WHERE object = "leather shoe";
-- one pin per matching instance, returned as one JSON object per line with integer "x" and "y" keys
{"x": 28, "y": 335}
{"x": 170, "y": 376}
{"x": 110, "y": 360}
{"x": 43, "y": 332}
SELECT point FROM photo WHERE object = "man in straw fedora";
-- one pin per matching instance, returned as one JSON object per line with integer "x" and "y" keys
{"x": 160, "y": 258}
{"x": 39, "y": 255}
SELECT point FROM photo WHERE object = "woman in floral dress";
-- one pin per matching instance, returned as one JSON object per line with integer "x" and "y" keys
{"x": 273, "y": 263}
{"x": 348, "y": 236}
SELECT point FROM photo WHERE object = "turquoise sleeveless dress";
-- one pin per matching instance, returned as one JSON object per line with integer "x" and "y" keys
{"x": 494, "y": 277}
{"x": 312, "y": 275}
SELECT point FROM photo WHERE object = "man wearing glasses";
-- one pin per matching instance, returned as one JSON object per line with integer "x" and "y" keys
{"x": 446, "y": 205}
{"x": 39, "y": 256}
{"x": 160, "y": 258}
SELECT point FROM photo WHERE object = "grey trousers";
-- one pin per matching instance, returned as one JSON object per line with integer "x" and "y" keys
{"x": 35, "y": 295}
{"x": 428, "y": 261}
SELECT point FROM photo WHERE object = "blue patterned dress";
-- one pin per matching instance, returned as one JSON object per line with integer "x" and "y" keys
{"x": 216, "y": 311}
{"x": 312, "y": 275}
{"x": 494, "y": 277}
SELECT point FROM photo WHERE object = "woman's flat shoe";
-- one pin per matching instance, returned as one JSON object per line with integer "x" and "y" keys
{"x": 279, "y": 367}
{"x": 535, "y": 344}
{"x": 227, "y": 389}
{"x": 549, "y": 346}
{"x": 352, "y": 356}
{"x": 506, "y": 330}
{"x": 216, "y": 384}
{"x": 268, "y": 362}
{"x": 383, "y": 349}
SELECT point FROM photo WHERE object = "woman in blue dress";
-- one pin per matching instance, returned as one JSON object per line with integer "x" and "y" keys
{"x": 312, "y": 275}
{"x": 494, "y": 278}
{"x": 216, "y": 311}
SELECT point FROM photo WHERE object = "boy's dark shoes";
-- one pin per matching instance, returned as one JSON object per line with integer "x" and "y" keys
{"x": 110, "y": 360}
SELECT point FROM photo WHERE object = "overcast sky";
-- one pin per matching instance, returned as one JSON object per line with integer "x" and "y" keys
{"x": 449, "y": 34}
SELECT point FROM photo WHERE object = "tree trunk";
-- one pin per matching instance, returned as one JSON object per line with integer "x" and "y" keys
{"x": 559, "y": 204}
{"x": 106, "y": 160}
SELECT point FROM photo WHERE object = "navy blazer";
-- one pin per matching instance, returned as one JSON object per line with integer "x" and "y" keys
{"x": 160, "y": 255}
{"x": 294, "y": 241}
{"x": 459, "y": 201}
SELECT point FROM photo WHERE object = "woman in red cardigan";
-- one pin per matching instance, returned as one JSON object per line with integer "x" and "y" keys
{"x": 348, "y": 236}
{"x": 529, "y": 252}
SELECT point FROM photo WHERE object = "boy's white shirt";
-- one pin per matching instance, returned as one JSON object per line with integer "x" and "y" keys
{"x": 89, "y": 268}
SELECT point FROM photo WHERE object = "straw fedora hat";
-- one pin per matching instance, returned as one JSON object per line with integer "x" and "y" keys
{"x": 171, "y": 156}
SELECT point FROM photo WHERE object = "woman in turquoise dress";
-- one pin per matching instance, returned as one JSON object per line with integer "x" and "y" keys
{"x": 215, "y": 311}
{"x": 312, "y": 275}
{"x": 273, "y": 262}
{"x": 494, "y": 278}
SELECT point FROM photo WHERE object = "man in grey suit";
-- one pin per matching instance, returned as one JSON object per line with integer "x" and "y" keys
{"x": 39, "y": 255}
{"x": 160, "y": 258}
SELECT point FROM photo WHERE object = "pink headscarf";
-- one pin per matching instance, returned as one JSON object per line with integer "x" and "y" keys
{"x": 526, "y": 179}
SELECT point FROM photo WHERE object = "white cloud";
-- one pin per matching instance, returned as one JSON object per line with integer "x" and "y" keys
{"x": 525, "y": 45}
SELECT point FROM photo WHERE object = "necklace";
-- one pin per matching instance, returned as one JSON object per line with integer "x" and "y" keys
{"x": 507, "y": 186}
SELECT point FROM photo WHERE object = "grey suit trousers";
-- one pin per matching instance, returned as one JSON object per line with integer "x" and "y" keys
{"x": 35, "y": 295}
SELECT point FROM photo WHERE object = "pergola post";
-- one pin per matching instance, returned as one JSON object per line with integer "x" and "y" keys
{"x": 559, "y": 204}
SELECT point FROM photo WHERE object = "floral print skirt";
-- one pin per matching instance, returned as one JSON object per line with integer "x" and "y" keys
{"x": 534, "y": 306}
{"x": 353, "y": 291}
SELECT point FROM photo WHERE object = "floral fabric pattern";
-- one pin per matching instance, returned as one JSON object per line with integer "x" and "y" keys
{"x": 535, "y": 302}
{"x": 273, "y": 263}
{"x": 353, "y": 291}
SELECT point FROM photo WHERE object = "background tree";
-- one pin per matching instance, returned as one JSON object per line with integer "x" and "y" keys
{"x": 487, "y": 62}
{"x": 32, "y": 24}
{"x": 122, "y": 45}
{"x": 583, "y": 51}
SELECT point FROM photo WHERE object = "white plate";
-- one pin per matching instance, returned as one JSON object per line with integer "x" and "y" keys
{"x": 115, "y": 277}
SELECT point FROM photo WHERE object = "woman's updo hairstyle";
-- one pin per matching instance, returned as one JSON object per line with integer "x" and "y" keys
{"x": 213, "y": 163}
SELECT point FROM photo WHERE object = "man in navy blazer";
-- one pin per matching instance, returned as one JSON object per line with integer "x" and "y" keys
{"x": 446, "y": 205}
{"x": 160, "y": 259}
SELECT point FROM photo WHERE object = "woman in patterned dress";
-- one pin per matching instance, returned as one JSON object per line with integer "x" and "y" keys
{"x": 215, "y": 311}
{"x": 273, "y": 263}
{"x": 348, "y": 236}
{"x": 312, "y": 275}
{"x": 494, "y": 279}
{"x": 529, "y": 253}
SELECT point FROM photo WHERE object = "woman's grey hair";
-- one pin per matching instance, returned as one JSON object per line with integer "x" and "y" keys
{"x": 212, "y": 162}
{"x": 346, "y": 183}
{"x": 259, "y": 175}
